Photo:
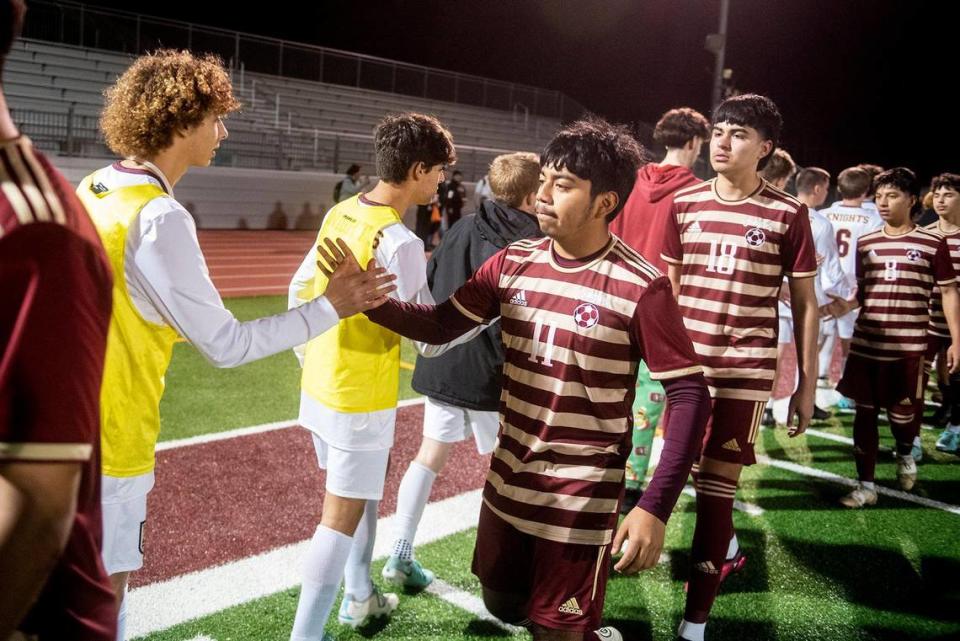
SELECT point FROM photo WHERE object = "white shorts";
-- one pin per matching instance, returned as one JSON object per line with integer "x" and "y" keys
{"x": 124, "y": 505}
{"x": 846, "y": 323}
{"x": 451, "y": 424}
{"x": 352, "y": 474}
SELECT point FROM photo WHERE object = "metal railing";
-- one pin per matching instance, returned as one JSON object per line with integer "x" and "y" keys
{"x": 72, "y": 23}
{"x": 257, "y": 147}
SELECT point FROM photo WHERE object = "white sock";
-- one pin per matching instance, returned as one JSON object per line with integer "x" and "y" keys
{"x": 356, "y": 574}
{"x": 691, "y": 631}
{"x": 322, "y": 572}
{"x": 733, "y": 547}
{"x": 869, "y": 485}
{"x": 955, "y": 429}
{"x": 826, "y": 355}
{"x": 769, "y": 403}
{"x": 122, "y": 619}
{"x": 916, "y": 441}
{"x": 411, "y": 499}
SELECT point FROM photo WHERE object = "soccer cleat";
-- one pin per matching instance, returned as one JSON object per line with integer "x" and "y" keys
{"x": 906, "y": 472}
{"x": 768, "y": 420}
{"x": 860, "y": 497}
{"x": 730, "y": 566}
{"x": 948, "y": 442}
{"x": 916, "y": 452}
{"x": 846, "y": 403}
{"x": 820, "y": 414}
{"x": 407, "y": 572}
{"x": 609, "y": 633}
{"x": 356, "y": 613}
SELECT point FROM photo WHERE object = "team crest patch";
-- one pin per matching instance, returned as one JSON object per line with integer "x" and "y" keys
{"x": 913, "y": 255}
{"x": 755, "y": 236}
{"x": 586, "y": 315}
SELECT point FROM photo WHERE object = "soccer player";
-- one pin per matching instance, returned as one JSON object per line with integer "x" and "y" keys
{"x": 682, "y": 132}
{"x": 946, "y": 202}
{"x": 780, "y": 169}
{"x": 832, "y": 289}
{"x": 55, "y": 291}
{"x": 730, "y": 242}
{"x": 579, "y": 310}
{"x": 463, "y": 386}
{"x": 164, "y": 116}
{"x": 897, "y": 269}
{"x": 351, "y": 374}
{"x": 851, "y": 220}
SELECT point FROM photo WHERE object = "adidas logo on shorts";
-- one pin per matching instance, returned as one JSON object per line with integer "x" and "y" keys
{"x": 706, "y": 567}
{"x": 731, "y": 445}
{"x": 520, "y": 298}
{"x": 571, "y": 607}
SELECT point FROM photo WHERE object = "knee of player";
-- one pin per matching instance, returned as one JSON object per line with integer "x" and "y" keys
{"x": 507, "y": 608}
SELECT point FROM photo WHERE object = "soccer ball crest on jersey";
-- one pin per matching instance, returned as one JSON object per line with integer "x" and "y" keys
{"x": 914, "y": 255}
{"x": 755, "y": 236}
{"x": 586, "y": 315}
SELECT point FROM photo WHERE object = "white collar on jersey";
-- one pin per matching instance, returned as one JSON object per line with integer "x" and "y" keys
{"x": 167, "y": 187}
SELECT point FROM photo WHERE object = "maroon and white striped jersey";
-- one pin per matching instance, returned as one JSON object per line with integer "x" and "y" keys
{"x": 938, "y": 322}
{"x": 573, "y": 334}
{"x": 896, "y": 277}
{"x": 733, "y": 257}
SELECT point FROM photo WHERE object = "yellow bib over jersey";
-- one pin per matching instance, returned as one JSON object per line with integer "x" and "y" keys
{"x": 353, "y": 367}
{"x": 138, "y": 351}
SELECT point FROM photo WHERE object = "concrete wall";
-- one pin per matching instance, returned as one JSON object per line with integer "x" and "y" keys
{"x": 229, "y": 198}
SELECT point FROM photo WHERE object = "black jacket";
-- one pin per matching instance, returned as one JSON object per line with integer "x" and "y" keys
{"x": 468, "y": 375}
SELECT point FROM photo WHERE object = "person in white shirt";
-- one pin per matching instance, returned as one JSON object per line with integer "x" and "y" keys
{"x": 851, "y": 219}
{"x": 162, "y": 126}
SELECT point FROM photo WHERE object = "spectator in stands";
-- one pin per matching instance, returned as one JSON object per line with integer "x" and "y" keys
{"x": 55, "y": 287}
{"x": 165, "y": 115}
{"x": 351, "y": 185}
{"x": 456, "y": 195}
{"x": 482, "y": 191}
{"x": 682, "y": 131}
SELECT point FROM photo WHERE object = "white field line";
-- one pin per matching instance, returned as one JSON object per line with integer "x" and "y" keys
{"x": 162, "y": 605}
{"x": 741, "y": 506}
{"x": 253, "y": 429}
{"x": 843, "y": 480}
{"x": 469, "y": 602}
{"x": 837, "y": 438}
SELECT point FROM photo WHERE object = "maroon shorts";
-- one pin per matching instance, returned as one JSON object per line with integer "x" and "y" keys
{"x": 564, "y": 584}
{"x": 732, "y": 430}
{"x": 892, "y": 385}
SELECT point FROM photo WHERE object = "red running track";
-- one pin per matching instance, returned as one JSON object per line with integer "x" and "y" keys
{"x": 253, "y": 263}
{"x": 222, "y": 501}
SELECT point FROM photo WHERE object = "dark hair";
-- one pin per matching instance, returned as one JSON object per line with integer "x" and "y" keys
{"x": 900, "y": 178}
{"x": 353, "y": 169}
{"x": 756, "y": 111}
{"x": 677, "y": 127}
{"x": 403, "y": 140}
{"x": 854, "y": 182}
{"x": 949, "y": 181}
{"x": 457, "y": 172}
{"x": 593, "y": 149}
{"x": 11, "y": 19}
{"x": 873, "y": 171}
{"x": 810, "y": 177}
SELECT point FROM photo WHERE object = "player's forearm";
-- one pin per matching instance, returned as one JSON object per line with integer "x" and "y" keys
{"x": 30, "y": 544}
{"x": 432, "y": 324}
{"x": 689, "y": 403}
{"x": 806, "y": 328}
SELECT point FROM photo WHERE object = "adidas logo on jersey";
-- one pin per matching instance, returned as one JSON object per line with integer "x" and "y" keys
{"x": 731, "y": 445}
{"x": 520, "y": 298}
{"x": 695, "y": 228}
{"x": 571, "y": 607}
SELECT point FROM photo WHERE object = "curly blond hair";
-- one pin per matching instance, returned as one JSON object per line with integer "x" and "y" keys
{"x": 161, "y": 94}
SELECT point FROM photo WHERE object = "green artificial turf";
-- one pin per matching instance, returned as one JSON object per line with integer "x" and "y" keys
{"x": 201, "y": 399}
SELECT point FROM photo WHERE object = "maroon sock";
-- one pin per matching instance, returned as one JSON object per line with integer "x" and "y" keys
{"x": 866, "y": 441}
{"x": 711, "y": 538}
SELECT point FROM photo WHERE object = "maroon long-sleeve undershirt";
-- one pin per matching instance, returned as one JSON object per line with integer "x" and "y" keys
{"x": 687, "y": 397}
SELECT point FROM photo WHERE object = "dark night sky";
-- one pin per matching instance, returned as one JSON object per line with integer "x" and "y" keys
{"x": 856, "y": 80}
